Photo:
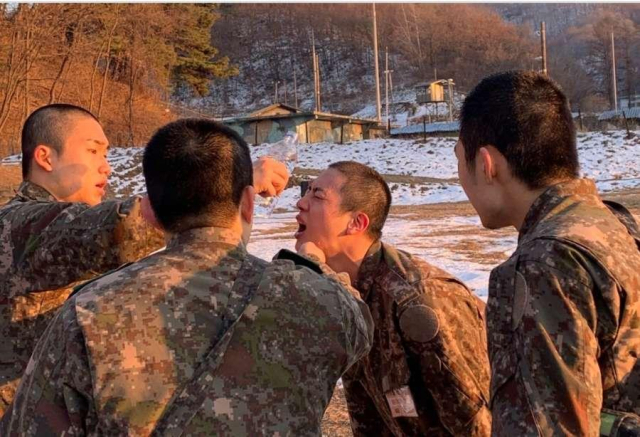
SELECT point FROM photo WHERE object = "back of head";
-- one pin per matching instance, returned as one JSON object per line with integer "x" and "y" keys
{"x": 48, "y": 126}
{"x": 196, "y": 171}
{"x": 365, "y": 190}
{"x": 526, "y": 116}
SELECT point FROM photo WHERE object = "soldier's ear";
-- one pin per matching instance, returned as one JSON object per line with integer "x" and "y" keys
{"x": 43, "y": 157}
{"x": 148, "y": 213}
{"x": 358, "y": 224}
{"x": 246, "y": 204}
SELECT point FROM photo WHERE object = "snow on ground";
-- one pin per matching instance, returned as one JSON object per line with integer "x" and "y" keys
{"x": 609, "y": 158}
{"x": 452, "y": 244}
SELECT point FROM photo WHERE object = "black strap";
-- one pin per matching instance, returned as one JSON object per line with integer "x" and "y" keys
{"x": 626, "y": 218}
{"x": 191, "y": 393}
{"x": 298, "y": 260}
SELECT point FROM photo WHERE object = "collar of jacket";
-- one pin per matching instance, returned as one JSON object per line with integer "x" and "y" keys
{"x": 581, "y": 189}
{"x": 30, "y": 191}
{"x": 368, "y": 269}
{"x": 208, "y": 235}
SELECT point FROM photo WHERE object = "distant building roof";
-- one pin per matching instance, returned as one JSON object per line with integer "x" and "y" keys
{"x": 268, "y": 114}
{"x": 424, "y": 84}
{"x": 290, "y": 109}
{"x": 445, "y": 126}
{"x": 629, "y": 113}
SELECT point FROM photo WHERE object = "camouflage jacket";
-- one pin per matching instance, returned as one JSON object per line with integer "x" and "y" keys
{"x": 429, "y": 351}
{"x": 198, "y": 339}
{"x": 563, "y": 318}
{"x": 46, "y": 247}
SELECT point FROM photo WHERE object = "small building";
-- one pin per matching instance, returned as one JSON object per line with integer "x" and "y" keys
{"x": 431, "y": 92}
{"x": 270, "y": 124}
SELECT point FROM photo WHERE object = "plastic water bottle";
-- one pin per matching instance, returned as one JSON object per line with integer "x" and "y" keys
{"x": 285, "y": 151}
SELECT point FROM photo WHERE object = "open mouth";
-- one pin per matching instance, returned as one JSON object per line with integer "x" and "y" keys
{"x": 301, "y": 228}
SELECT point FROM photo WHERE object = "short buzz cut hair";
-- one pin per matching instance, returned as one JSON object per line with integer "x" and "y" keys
{"x": 48, "y": 126}
{"x": 364, "y": 190}
{"x": 196, "y": 171}
{"x": 526, "y": 116}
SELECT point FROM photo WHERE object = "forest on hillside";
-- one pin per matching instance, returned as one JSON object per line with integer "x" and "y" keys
{"x": 138, "y": 66}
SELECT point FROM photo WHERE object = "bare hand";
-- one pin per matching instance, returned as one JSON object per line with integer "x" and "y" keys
{"x": 270, "y": 177}
{"x": 310, "y": 249}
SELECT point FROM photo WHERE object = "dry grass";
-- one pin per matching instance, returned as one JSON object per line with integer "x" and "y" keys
{"x": 10, "y": 178}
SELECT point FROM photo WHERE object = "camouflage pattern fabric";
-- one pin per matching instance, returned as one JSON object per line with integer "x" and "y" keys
{"x": 130, "y": 352}
{"x": 563, "y": 318}
{"x": 46, "y": 247}
{"x": 429, "y": 349}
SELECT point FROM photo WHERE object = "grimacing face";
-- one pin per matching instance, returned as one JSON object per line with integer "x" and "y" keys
{"x": 79, "y": 173}
{"x": 320, "y": 219}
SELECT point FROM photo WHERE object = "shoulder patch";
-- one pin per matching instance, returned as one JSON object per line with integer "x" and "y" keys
{"x": 419, "y": 323}
{"x": 520, "y": 299}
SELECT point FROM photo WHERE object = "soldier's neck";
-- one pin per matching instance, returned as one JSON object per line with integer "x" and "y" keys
{"x": 349, "y": 258}
{"x": 39, "y": 180}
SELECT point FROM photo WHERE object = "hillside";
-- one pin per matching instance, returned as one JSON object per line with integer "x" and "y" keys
{"x": 272, "y": 44}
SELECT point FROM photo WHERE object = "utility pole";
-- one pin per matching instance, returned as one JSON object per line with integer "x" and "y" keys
{"x": 318, "y": 82}
{"x": 543, "y": 43}
{"x": 450, "y": 83}
{"x": 375, "y": 54}
{"x": 316, "y": 74}
{"x": 387, "y": 83}
{"x": 613, "y": 74}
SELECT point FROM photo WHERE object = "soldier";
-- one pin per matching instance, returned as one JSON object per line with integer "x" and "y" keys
{"x": 427, "y": 372}
{"x": 563, "y": 314}
{"x": 200, "y": 338}
{"x": 55, "y": 232}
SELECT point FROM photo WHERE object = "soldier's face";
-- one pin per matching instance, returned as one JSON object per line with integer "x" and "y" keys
{"x": 484, "y": 197}
{"x": 81, "y": 170}
{"x": 320, "y": 220}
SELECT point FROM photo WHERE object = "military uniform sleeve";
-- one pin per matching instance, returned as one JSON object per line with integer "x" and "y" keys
{"x": 361, "y": 332}
{"x": 363, "y": 414}
{"x": 73, "y": 242}
{"x": 54, "y": 396}
{"x": 444, "y": 337}
{"x": 356, "y": 315}
{"x": 555, "y": 378}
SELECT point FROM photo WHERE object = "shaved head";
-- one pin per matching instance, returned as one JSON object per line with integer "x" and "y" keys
{"x": 48, "y": 126}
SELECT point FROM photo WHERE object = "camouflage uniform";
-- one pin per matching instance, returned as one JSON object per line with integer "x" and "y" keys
{"x": 563, "y": 318}
{"x": 429, "y": 348}
{"x": 46, "y": 247}
{"x": 198, "y": 339}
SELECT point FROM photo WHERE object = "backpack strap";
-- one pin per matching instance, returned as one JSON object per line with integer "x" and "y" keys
{"x": 190, "y": 394}
{"x": 626, "y": 218}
